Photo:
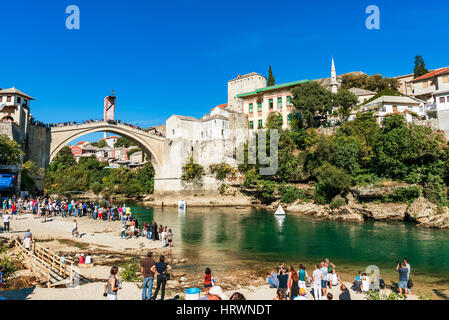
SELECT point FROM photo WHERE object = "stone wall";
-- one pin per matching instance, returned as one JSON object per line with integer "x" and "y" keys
{"x": 13, "y": 132}
{"x": 38, "y": 150}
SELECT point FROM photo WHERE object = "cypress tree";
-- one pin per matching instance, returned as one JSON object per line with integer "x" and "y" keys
{"x": 270, "y": 81}
{"x": 420, "y": 67}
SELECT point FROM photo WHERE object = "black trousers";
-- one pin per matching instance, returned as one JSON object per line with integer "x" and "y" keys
{"x": 6, "y": 226}
{"x": 159, "y": 283}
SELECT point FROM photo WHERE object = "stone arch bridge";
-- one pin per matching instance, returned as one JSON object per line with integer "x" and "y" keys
{"x": 153, "y": 145}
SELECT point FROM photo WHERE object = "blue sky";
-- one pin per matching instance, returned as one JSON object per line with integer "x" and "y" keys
{"x": 175, "y": 57}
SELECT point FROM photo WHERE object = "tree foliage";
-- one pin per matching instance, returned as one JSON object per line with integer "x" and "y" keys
{"x": 270, "y": 80}
{"x": 10, "y": 152}
{"x": 311, "y": 100}
{"x": 192, "y": 171}
{"x": 420, "y": 67}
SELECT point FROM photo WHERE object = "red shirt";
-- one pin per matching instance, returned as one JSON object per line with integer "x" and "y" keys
{"x": 82, "y": 259}
{"x": 207, "y": 279}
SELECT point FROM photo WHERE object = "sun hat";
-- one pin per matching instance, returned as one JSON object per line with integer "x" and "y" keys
{"x": 216, "y": 290}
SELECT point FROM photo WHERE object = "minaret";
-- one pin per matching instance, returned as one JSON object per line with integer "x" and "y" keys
{"x": 334, "y": 83}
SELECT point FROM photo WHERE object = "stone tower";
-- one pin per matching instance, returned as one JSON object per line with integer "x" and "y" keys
{"x": 334, "y": 83}
{"x": 243, "y": 84}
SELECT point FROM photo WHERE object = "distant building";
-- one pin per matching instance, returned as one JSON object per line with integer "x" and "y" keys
{"x": 362, "y": 94}
{"x": 405, "y": 85}
{"x": 15, "y": 107}
{"x": 390, "y": 105}
{"x": 110, "y": 141}
{"x": 425, "y": 86}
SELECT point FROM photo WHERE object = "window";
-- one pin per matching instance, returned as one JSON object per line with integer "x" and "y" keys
{"x": 173, "y": 132}
{"x": 279, "y": 102}
{"x": 280, "y": 120}
{"x": 442, "y": 100}
{"x": 250, "y": 108}
{"x": 19, "y": 100}
{"x": 289, "y": 100}
{"x": 425, "y": 84}
{"x": 270, "y": 103}
{"x": 259, "y": 123}
{"x": 25, "y": 101}
{"x": 8, "y": 99}
{"x": 289, "y": 118}
{"x": 445, "y": 79}
{"x": 259, "y": 106}
{"x": 251, "y": 124}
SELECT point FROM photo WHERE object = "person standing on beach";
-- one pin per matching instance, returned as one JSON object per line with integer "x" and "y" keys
{"x": 170, "y": 238}
{"x": 148, "y": 276}
{"x": 208, "y": 280}
{"x": 407, "y": 265}
{"x": 403, "y": 271}
{"x": 113, "y": 284}
{"x": 75, "y": 229}
{"x": 317, "y": 278}
{"x": 324, "y": 281}
{"x": 154, "y": 231}
{"x": 330, "y": 269}
{"x": 6, "y": 218}
{"x": 160, "y": 269}
{"x": 283, "y": 279}
{"x": 302, "y": 274}
{"x": 293, "y": 280}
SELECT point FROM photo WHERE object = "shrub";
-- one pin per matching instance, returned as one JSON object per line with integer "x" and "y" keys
{"x": 129, "y": 271}
{"x": 435, "y": 191}
{"x": 192, "y": 171}
{"x": 222, "y": 170}
{"x": 331, "y": 182}
{"x": 403, "y": 195}
{"x": 290, "y": 194}
{"x": 337, "y": 203}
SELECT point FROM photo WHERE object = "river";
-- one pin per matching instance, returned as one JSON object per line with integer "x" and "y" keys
{"x": 229, "y": 239}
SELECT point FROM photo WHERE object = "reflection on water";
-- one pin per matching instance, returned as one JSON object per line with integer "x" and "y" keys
{"x": 224, "y": 238}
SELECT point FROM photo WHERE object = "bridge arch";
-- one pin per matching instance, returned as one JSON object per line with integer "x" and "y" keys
{"x": 151, "y": 144}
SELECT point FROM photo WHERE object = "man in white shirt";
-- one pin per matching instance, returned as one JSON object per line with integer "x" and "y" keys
{"x": 6, "y": 217}
{"x": 408, "y": 273}
{"x": 317, "y": 277}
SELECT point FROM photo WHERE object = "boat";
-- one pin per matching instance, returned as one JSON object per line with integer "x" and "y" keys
{"x": 279, "y": 211}
{"x": 182, "y": 205}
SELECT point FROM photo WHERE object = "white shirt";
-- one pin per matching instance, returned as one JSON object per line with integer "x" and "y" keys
{"x": 6, "y": 217}
{"x": 27, "y": 243}
{"x": 365, "y": 283}
{"x": 88, "y": 259}
{"x": 317, "y": 276}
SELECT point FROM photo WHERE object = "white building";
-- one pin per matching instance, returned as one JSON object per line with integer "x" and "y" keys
{"x": 110, "y": 141}
{"x": 390, "y": 105}
{"x": 362, "y": 94}
{"x": 425, "y": 86}
{"x": 15, "y": 107}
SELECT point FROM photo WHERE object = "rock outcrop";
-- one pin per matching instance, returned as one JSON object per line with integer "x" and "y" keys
{"x": 381, "y": 211}
{"x": 427, "y": 214}
{"x": 344, "y": 213}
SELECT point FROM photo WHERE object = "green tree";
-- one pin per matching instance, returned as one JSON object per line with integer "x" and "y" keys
{"x": 420, "y": 67}
{"x": 332, "y": 181}
{"x": 145, "y": 176}
{"x": 274, "y": 121}
{"x": 311, "y": 100}
{"x": 100, "y": 144}
{"x": 10, "y": 152}
{"x": 124, "y": 142}
{"x": 63, "y": 160}
{"x": 344, "y": 100}
{"x": 270, "y": 80}
{"x": 192, "y": 171}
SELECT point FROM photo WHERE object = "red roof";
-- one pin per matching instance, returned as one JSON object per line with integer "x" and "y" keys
{"x": 433, "y": 73}
{"x": 82, "y": 142}
{"x": 220, "y": 106}
{"x": 111, "y": 137}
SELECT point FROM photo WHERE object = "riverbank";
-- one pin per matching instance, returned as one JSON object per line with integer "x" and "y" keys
{"x": 102, "y": 240}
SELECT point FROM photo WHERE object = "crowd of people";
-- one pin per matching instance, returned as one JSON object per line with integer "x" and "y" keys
{"x": 38, "y": 123}
{"x": 44, "y": 208}
{"x": 293, "y": 285}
